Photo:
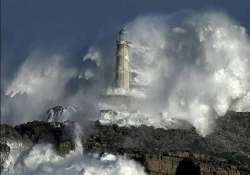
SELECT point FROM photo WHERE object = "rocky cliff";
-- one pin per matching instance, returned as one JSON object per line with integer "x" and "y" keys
{"x": 226, "y": 151}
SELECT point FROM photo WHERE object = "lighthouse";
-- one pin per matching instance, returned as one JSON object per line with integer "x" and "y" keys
{"x": 121, "y": 97}
{"x": 122, "y": 60}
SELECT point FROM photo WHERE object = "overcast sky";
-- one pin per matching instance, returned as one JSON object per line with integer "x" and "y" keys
{"x": 74, "y": 25}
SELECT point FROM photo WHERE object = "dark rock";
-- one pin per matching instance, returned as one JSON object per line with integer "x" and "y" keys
{"x": 230, "y": 135}
{"x": 225, "y": 151}
{"x": 58, "y": 134}
{"x": 146, "y": 139}
{"x": 54, "y": 114}
{"x": 60, "y": 113}
{"x": 8, "y": 133}
{"x": 65, "y": 147}
{"x": 4, "y": 153}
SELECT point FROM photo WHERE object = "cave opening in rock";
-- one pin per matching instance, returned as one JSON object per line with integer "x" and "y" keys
{"x": 187, "y": 167}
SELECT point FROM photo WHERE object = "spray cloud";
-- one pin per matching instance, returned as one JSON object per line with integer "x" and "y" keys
{"x": 195, "y": 65}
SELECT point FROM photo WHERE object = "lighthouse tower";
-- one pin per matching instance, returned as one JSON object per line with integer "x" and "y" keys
{"x": 122, "y": 61}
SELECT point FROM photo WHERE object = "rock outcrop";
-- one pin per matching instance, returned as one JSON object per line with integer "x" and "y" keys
{"x": 4, "y": 153}
{"x": 59, "y": 134}
{"x": 226, "y": 151}
{"x": 60, "y": 113}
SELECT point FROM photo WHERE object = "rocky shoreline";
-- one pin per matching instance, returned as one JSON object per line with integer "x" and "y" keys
{"x": 226, "y": 151}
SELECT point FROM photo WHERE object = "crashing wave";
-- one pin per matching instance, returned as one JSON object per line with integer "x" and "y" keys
{"x": 122, "y": 92}
{"x": 127, "y": 119}
{"x": 60, "y": 113}
{"x": 16, "y": 150}
{"x": 43, "y": 159}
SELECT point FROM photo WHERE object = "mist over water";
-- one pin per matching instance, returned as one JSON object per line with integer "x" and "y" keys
{"x": 195, "y": 65}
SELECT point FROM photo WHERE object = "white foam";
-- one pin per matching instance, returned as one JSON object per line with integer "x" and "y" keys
{"x": 42, "y": 159}
{"x": 127, "y": 119}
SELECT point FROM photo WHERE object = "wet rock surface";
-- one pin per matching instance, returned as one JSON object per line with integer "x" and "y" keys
{"x": 31, "y": 133}
{"x": 55, "y": 113}
{"x": 175, "y": 151}
{"x": 4, "y": 153}
{"x": 225, "y": 151}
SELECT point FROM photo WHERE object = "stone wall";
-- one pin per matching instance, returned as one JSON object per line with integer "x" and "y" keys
{"x": 185, "y": 163}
